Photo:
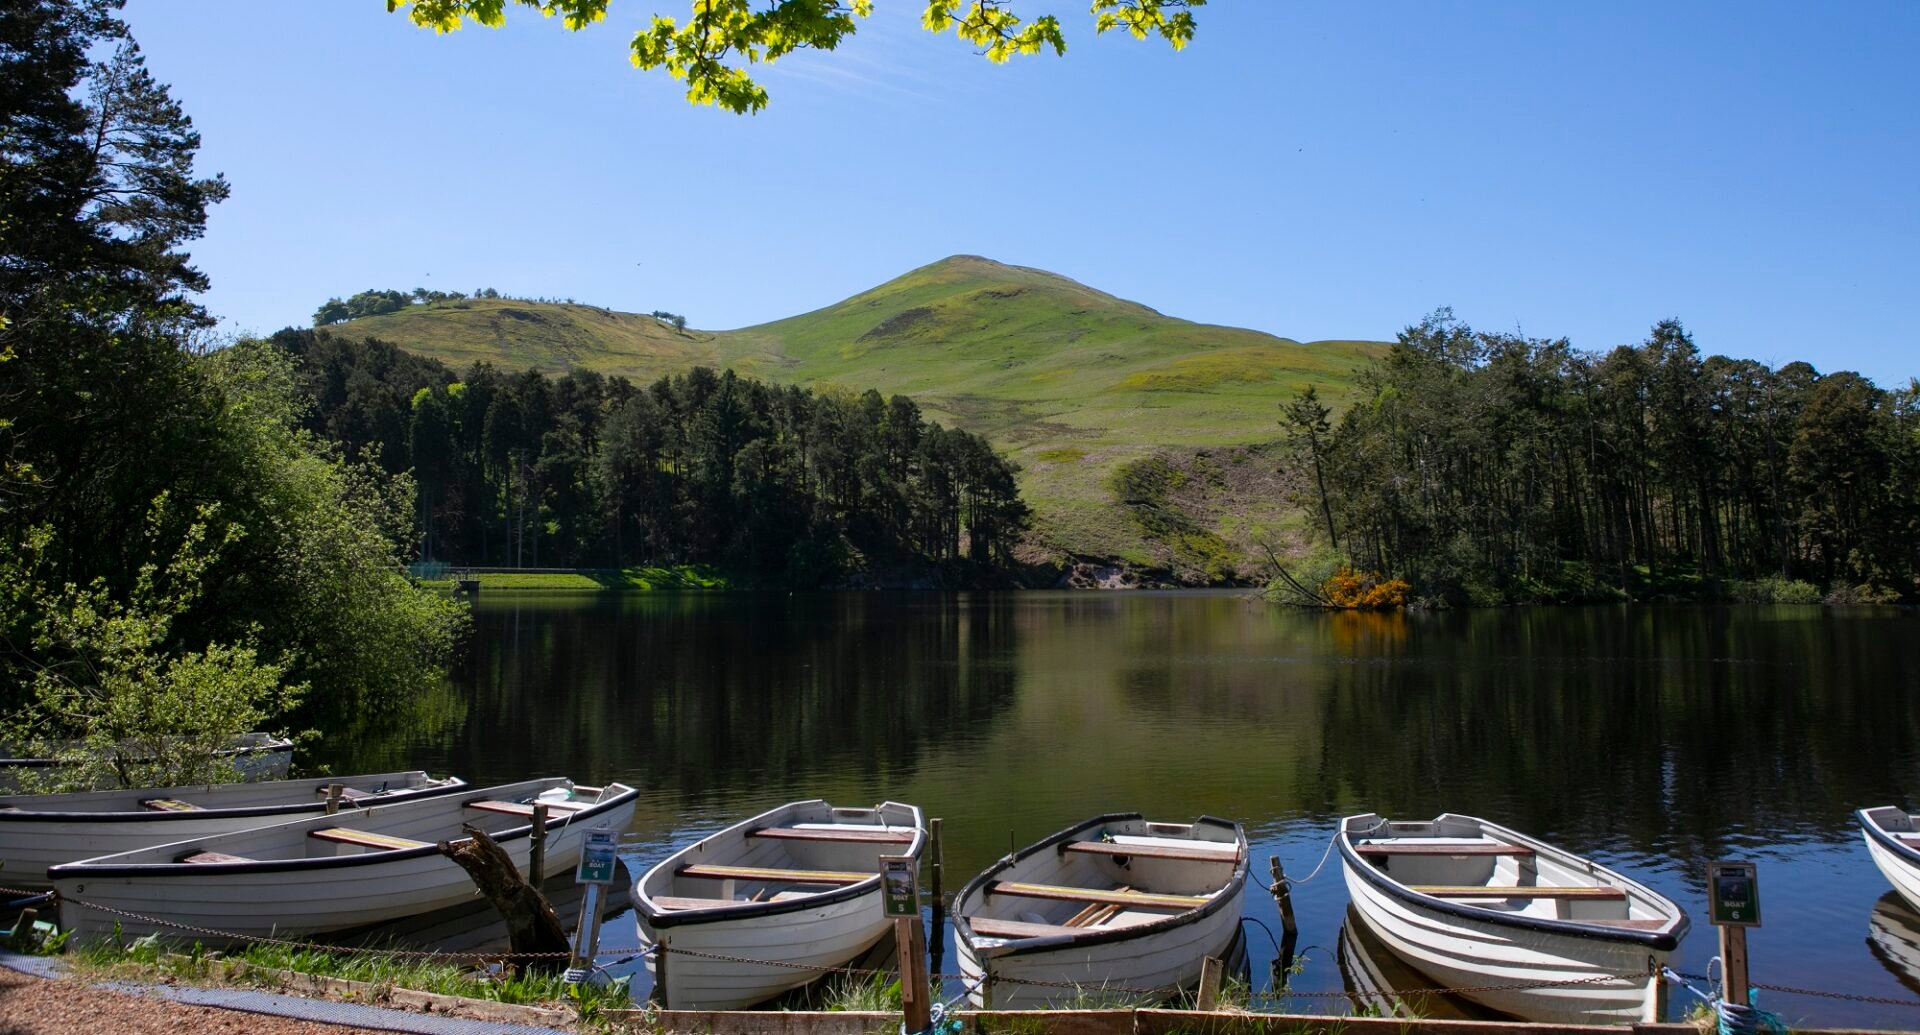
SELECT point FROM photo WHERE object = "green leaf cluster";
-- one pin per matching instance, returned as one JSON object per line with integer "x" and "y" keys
{"x": 709, "y": 50}
{"x": 114, "y": 702}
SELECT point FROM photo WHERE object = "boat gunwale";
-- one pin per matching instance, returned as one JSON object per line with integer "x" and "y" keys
{"x": 87, "y": 869}
{"x": 661, "y": 919}
{"x": 1666, "y": 940}
{"x": 453, "y": 785}
{"x": 1229, "y": 893}
{"x": 1906, "y": 853}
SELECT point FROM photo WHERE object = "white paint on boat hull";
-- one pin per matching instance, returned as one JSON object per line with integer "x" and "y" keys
{"x": 146, "y": 892}
{"x": 47, "y": 830}
{"x": 1109, "y": 972}
{"x": 1901, "y": 872}
{"x": 769, "y": 947}
{"x": 1577, "y": 976}
{"x": 1457, "y": 953}
{"x": 768, "y": 956}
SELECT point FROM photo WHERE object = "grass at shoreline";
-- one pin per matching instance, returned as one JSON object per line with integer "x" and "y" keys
{"x": 639, "y": 579}
{"x": 148, "y": 958}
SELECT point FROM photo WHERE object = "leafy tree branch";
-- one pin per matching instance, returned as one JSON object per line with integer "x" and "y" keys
{"x": 710, "y": 50}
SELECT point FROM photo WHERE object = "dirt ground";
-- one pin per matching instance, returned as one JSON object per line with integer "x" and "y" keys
{"x": 32, "y": 1006}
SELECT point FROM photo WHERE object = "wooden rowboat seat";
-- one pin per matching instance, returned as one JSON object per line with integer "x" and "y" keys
{"x": 365, "y": 839}
{"x": 170, "y": 805}
{"x": 1100, "y": 895}
{"x": 771, "y": 875}
{"x": 987, "y": 926}
{"x": 688, "y": 902}
{"x": 1409, "y": 848}
{"x": 518, "y": 808}
{"x": 1231, "y": 854}
{"x": 212, "y": 857}
{"x": 884, "y": 837}
{"x": 1513, "y": 891}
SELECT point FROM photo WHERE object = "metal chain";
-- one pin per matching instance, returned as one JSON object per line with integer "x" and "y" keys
{"x": 872, "y": 972}
{"x": 1417, "y": 993}
{"x": 314, "y": 946}
{"x": 830, "y": 969}
{"x": 1850, "y": 997}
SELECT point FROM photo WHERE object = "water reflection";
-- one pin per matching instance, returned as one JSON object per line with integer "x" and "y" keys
{"x": 1651, "y": 738}
{"x": 1380, "y": 985}
{"x": 1893, "y": 936}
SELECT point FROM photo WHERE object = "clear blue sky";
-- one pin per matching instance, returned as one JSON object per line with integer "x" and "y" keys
{"x": 1314, "y": 170}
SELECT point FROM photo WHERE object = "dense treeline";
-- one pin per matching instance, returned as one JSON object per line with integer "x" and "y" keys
{"x": 587, "y": 471}
{"x": 1491, "y": 467}
{"x": 179, "y": 559}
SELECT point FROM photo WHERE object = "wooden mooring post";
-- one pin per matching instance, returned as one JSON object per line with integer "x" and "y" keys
{"x": 939, "y": 888}
{"x": 1733, "y": 905}
{"x": 1209, "y": 998}
{"x": 1733, "y": 961}
{"x": 334, "y": 793}
{"x": 537, "y": 852}
{"x": 937, "y": 937}
{"x": 916, "y": 995}
{"x": 1283, "y": 894}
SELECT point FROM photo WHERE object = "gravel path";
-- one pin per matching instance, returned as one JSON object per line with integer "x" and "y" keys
{"x": 35, "y": 1006}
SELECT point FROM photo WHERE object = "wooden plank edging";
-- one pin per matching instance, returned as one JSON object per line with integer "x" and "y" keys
{"x": 1123, "y": 1022}
{"x": 372, "y": 994}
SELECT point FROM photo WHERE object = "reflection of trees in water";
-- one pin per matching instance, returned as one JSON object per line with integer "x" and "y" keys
{"x": 1668, "y": 730}
{"x": 1668, "y": 727}
{"x": 697, "y": 693}
{"x": 388, "y": 740}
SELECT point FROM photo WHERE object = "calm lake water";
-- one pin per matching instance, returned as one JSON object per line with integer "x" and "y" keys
{"x": 1652, "y": 738}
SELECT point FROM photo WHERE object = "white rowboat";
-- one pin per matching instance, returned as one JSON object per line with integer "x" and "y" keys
{"x": 1471, "y": 905}
{"x": 1893, "y": 840}
{"x": 1119, "y": 907}
{"x": 326, "y": 873}
{"x": 770, "y": 904}
{"x": 42, "y": 830}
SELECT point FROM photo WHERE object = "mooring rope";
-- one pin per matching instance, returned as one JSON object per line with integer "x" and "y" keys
{"x": 1324, "y": 856}
{"x": 1732, "y": 1018}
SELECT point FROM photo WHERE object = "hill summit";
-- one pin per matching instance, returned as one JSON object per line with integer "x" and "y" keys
{"x": 1071, "y": 381}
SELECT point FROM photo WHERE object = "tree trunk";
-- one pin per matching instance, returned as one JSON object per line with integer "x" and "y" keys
{"x": 532, "y": 926}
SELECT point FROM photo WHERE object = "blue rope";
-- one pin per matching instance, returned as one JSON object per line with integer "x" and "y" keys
{"x": 938, "y": 1023}
{"x": 1748, "y": 1019}
{"x": 1734, "y": 1018}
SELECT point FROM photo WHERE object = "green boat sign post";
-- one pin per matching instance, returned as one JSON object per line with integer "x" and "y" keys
{"x": 599, "y": 864}
{"x": 598, "y": 858}
{"x": 1733, "y": 905}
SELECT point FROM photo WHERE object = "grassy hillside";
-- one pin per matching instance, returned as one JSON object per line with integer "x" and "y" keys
{"x": 1071, "y": 381}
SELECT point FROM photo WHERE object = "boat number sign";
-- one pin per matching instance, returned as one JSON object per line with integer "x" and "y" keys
{"x": 597, "y": 858}
{"x": 900, "y": 884}
{"x": 1733, "y": 894}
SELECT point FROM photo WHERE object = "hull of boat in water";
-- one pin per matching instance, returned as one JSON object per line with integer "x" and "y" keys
{"x": 39, "y": 831}
{"x": 1119, "y": 909}
{"x": 325, "y": 873}
{"x": 1519, "y": 926}
{"x": 772, "y": 903}
{"x": 1893, "y": 842}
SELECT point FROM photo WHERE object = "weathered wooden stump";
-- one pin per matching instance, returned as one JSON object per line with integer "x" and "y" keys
{"x": 532, "y": 926}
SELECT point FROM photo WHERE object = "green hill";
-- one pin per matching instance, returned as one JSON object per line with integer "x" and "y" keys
{"x": 1072, "y": 382}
